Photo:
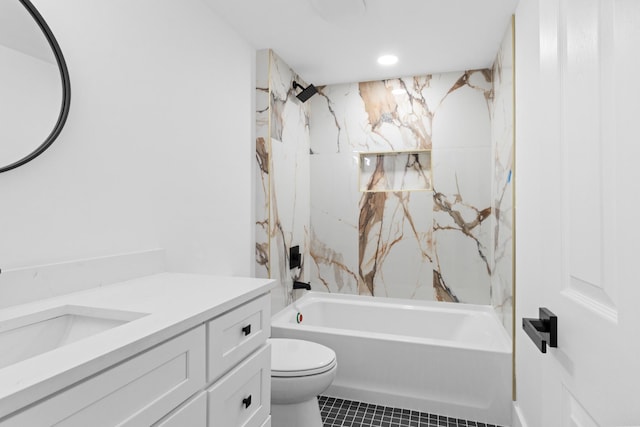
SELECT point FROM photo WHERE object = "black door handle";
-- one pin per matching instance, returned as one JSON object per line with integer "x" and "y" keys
{"x": 542, "y": 331}
{"x": 247, "y": 330}
{"x": 246, "y": 402}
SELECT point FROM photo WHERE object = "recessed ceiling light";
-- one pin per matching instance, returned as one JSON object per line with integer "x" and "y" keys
{"x": 387, "y": 60}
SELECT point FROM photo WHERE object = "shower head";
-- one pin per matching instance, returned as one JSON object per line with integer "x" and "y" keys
{"x": 307, "y": 92}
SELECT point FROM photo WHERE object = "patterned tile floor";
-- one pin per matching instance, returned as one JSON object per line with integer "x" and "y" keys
{"x": 347, "y": 413}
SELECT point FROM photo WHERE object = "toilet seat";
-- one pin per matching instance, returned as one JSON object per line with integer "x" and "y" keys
{"x": 299, "y": 358}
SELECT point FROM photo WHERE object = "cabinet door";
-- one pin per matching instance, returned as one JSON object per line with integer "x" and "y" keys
{"x": 267, "y": 423}
{"x": 193, "y": 414}
{"x": 136, "y": 392}
{"x": 242, "y": 398}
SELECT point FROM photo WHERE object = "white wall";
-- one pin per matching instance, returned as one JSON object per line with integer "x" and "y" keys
{"x": 31, "y": 94}
{"x": 157, "y": 150}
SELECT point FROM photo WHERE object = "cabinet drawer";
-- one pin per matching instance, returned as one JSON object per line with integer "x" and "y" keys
{"x": 193, "y": 414}
{"x": 234, "y": 335}
{"x": 242, "y": 398}
{"x": 136, "y": 392}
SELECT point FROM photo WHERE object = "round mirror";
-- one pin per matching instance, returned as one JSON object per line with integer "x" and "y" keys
{"x": 34, "y": 85}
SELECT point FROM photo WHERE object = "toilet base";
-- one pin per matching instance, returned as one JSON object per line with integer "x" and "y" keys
{"x": 305, "y": 414}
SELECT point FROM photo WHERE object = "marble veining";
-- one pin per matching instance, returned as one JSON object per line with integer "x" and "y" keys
{"x": 391, "y": 227}
{"x": 395, "y": 171}
{"x": 455, "y": 208}
{"x": 337, "y": 275}
{"x": 394, "y": 250}
{"x": 429, "y": 215}
{"x": 502, "y": 181}
{"x": 282, "y": 162}
{"x": 262, "y": 165}
{"x": 457, "y": 224}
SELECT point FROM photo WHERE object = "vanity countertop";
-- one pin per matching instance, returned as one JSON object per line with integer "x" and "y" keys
{"x": 173, "y": 303}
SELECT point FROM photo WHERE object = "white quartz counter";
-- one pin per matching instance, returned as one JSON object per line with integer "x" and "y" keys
{"x": 173, "y": 303}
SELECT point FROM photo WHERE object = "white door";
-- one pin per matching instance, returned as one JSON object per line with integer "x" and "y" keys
{"x": 578, "y": 210}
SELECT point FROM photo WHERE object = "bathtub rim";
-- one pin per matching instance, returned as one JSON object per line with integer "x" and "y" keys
{"x": 280, "y": 319}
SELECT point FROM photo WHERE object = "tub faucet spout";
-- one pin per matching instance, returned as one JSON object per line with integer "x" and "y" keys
{"x": 301, "y": 285}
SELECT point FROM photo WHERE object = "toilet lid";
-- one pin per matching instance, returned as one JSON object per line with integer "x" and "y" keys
{"x": 297, "y": 358}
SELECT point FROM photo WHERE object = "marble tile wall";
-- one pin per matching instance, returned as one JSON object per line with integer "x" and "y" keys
{"x": 262, "y": 164}
{"x": 282, "y": 164}
{"x": 402, "y": 171}
{"x": 502, "y": 110}
{"x": 407, "y": 244}
{"x": 450, "y": 240}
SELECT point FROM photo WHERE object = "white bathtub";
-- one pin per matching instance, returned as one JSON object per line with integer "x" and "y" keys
{"x": 442, "y": 358}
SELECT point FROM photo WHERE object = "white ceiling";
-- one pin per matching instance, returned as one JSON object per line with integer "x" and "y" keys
{"x": 338, "y": 41}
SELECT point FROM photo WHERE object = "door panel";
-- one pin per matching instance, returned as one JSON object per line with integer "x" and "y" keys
{"x": 586, "y": 48}
{"x": 574, "y": 414}
{"x": 584, "y": 116}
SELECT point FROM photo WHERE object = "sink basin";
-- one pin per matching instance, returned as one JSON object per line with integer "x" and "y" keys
{"x": 24, "y": 337}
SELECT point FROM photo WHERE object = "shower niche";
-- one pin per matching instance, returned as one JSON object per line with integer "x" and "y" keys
{"x": 395, "y": 171}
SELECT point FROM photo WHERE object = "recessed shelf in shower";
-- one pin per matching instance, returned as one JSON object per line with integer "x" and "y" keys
{"x": 395, "y": 171}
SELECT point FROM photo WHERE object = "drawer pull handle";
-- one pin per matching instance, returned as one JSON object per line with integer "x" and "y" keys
{"x": 246, "y": 402}
{"x": 247, "y": 330}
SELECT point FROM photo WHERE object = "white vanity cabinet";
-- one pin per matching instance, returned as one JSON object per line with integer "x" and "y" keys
{"x": 133, "y": 393}
{"x": 214, "y": 374}
{"x": 239, "y": 365}
{"x": 191, "y": 414}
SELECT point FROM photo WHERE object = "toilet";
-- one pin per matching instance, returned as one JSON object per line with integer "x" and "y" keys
{"x": 300, "y": 371}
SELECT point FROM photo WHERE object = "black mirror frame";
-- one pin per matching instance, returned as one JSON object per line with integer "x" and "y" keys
{"x": 66, "y": 89}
